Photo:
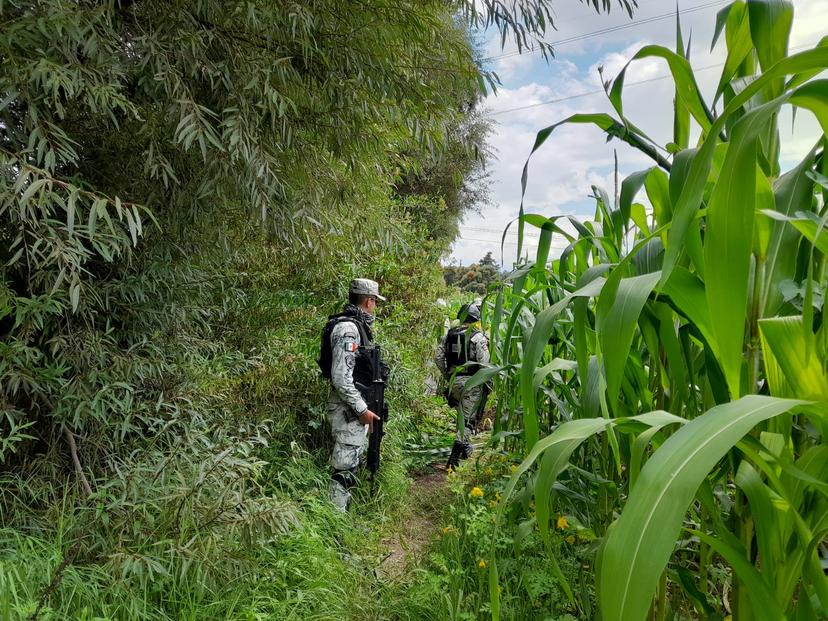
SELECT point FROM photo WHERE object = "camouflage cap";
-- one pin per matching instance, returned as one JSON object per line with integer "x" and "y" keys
{"x": 469, "y": 313}
{"x": 364, "y": 286}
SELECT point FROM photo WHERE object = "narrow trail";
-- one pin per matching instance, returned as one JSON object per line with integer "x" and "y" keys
{"x": 406, "y": 546}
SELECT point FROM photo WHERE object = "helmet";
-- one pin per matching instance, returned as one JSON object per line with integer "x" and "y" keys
{"x": 469, "y": 313}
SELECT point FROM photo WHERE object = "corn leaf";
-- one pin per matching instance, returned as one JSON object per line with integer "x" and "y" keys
{"x": 629, "y": 188}
{"x": 730, "y": 220}
{"x": 616, "y": 316}
{"x": 486, "y": 374}
{"x": 792, "y": 193}
{"x": 739, "y": 43}
{"x": 639, "y": 545}
{"x": 767, "y": 510}
{"x": 791, "y": 371}
{"x": 557, "y": 364}
{"x": 807, "y": 224}
{"x": 643, "y": 439}
{"x": 556, "y": 448}
{"x": 562, "y": 441}
{"x": 765, "y": 606}
{"x": 691, "y": 195}
{"x": 535, "y": 343}
{"x": 729, "y": 241}
{"x": 770, "y": 28}
{"x": 686, "y": 87}
{"x": 686, "y": 291}
{"x": 678, "y": 176}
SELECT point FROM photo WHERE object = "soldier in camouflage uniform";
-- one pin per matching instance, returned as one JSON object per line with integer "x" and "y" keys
{"x": 348, "y": 414}
{"x": 460, "y": 353}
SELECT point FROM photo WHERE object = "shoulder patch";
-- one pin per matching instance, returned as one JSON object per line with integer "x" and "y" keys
{"x": 349, "y": 346}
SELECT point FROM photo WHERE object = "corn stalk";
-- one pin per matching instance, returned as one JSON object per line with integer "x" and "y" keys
{"x": 678, "y": 352}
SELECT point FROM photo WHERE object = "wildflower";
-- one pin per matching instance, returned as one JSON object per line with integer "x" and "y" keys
{"x": 514, "y": 468}
{"x": 446, "y": 530}
{"x": 481, "y": 564}
{"x": 476, "y": 492}
{"x": 488, "y": 472}
{"x": 571, "y": 539}
{"x": 562, "y": 523}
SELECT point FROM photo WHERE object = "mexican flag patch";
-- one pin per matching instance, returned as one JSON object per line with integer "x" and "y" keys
{"x": 352, "y": 347}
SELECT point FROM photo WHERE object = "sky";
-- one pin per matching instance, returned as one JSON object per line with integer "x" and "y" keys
{"x": 577, "y": 157}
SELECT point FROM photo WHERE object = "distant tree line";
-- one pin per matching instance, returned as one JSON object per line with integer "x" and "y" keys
{"x": 474, "y": 278}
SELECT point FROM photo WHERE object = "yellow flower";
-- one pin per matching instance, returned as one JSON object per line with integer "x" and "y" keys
{"x": 446, "y": 530}
{"x": 488, "y": 472}
{"x": 503, "y": 459}
{"x": 570, "y": 540}
{"x": 497, "y": 496}
{"x": 562, "y": 523}
{"x": 476, "y": 492}
{"x": 481, "y": 564}
{"x": 514, "y": 468}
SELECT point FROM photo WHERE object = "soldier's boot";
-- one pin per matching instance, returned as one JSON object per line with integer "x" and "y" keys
{"x": 468, "y": 448}
{"x": 457, "y": 450}
{"x": 340, "y": 488}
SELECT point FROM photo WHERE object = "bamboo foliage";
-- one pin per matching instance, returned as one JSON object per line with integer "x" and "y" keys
{"x": 700, "y": 312}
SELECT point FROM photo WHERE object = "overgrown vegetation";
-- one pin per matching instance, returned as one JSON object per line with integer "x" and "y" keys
{"x": 178, "y": 199}
{"x": 186, "y": 189}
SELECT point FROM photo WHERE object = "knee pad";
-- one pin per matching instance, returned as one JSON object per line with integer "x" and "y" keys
{"x": 346, "y": 478}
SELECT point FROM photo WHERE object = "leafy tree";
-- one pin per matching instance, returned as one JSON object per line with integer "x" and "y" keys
{"x": 454, "y": 179}
{"x": 474, "y": 278}
{"x": 132, "y": 133}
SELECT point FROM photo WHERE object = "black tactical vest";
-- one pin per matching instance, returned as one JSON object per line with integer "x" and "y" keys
{"x": 363, "y": 374}
{"x": 458, "y": 343}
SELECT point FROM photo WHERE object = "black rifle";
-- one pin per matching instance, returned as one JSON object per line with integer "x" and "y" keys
{"x": 375, "y": 399}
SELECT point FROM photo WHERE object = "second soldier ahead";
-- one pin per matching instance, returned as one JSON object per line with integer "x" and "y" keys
{"x": 459, "y": 356}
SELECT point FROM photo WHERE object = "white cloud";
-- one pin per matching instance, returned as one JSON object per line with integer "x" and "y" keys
{"x": 576, "y": 157}
{"x": 512, "y": 66}
{"x": 613, "y": 62}
{"x": 810, "y": 22}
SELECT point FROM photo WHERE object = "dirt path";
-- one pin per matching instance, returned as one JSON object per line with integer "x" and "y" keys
{"x": 427, "y": 498}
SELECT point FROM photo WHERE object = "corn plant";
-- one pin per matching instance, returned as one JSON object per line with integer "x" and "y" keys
{"x": 674, "y": 357}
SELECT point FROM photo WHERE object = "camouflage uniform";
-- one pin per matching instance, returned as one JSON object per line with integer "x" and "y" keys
{"x": 468, "y": 403}
{"x": 345, "y": 403}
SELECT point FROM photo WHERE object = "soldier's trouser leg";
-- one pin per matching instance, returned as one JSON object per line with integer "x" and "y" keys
{"x": 349, "y": 444}
{"x": 466, "y": 413}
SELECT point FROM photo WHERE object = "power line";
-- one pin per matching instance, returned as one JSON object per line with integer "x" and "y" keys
{"x": 593, "y": 92}
{"x": 611, "y": 29}
{"x": 481, "y": 230}
{"x": 490, "y": 241}
{"x": 626, "y": 84}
